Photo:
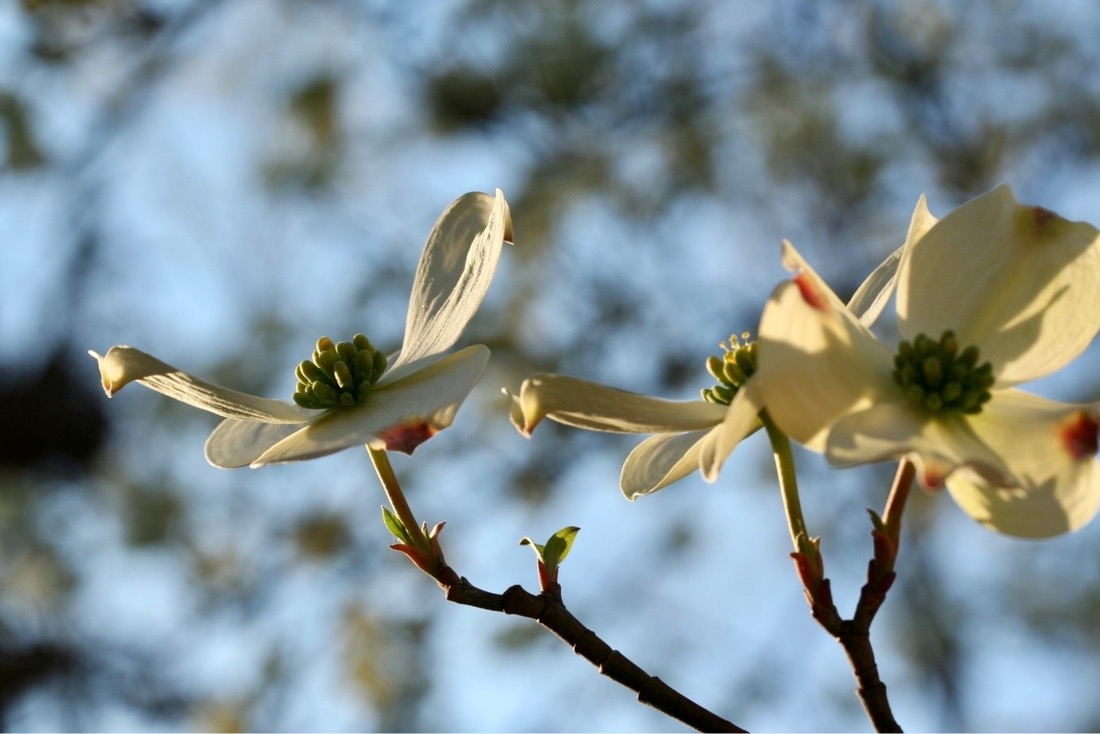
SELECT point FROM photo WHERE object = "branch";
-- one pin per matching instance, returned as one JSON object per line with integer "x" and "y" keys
{"x": 550, "y": 611}
{"x": 854, "y": 634}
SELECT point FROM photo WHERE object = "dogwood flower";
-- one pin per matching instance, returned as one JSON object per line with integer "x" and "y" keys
{"x": 693, "y": 434}
{"x": 993, "y": 295}
{"x": 346, "y": 394}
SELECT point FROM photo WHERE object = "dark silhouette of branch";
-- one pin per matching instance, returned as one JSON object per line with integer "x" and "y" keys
{"x": 548, "y": 609}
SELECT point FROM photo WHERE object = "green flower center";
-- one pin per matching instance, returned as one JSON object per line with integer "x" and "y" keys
{"x": 732, "y": 370}
{"x": 939, "y": 378}
{"x": 339, "y": 375}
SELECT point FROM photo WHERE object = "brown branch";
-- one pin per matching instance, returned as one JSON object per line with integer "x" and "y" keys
{"x": 854, "y": 634}
{"x": 550, "y": 611}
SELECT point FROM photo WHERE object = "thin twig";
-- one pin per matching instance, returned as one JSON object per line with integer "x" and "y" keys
{"x": 550, "y": 611}
{"x": 854, "y": 634}
{"x": 546, "y": 608}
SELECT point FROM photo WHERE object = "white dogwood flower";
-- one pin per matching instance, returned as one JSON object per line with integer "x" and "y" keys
{"x": 347, "y": 395}
{"x": 693, "y": 434}
{"x": 993, "y": 295}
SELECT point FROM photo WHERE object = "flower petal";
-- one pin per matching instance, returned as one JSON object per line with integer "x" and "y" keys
{"x": 661, "y": 460}
{"x": 1062, "y": 504}
{"x": 583, "y": 404}
{"x": 432, "y": 395}
{"x": 1019, "y": 282}
{"x": 237, "y": 443}
{"x": 816, "y": 361}
{"x": 891, "y": 430}
{"x": 124, "y": 365}
{"x": 874, "y": 293}
{"x": 741, "y": 421}
{"x": 454, "y": 273}
{"x": 1058, "y": 485}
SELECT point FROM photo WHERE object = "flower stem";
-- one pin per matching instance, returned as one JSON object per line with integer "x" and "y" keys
{"x": 788, "y": 481}
{"x": 899, "y": 493}
{"x": 396, "y": 497}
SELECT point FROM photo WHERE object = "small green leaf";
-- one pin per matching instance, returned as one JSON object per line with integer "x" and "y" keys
{"x": 557, "y": 548}
{"x": 395, "y": 526}
{"x": 877, "y": 521}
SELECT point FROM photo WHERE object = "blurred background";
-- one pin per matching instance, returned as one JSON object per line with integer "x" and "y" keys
{"x": 220, "y": 183}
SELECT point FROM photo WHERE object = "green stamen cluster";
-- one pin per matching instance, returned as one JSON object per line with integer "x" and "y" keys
{"x": 937, "y": 377}
{"x": 340, "y": 375}
{"x": 732, "y": 370}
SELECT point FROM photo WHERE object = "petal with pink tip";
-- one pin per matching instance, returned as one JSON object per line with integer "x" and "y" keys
{"x": 123, "y": 365}
{"x": 1019, "y": 282}
{"x": 583, "y": 404}
{"x": 454, "y": 273}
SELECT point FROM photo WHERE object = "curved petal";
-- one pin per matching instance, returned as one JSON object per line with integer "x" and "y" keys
{"x": 816, "y": 361}
{"x": 1058, "y": 485}
{"x": 583, "y": 404}
{"x": 236, "y": 443}
{"x": 874, "y": 293}
{"x": 454, "y": 273}
{"x": 431, "y": 396}
{"x": 741, "y": 421}
{"x": 661, "y": 460}
{"x": 1018, "y": 282}
{"x": 123, "y": 365}
{"x": 891, "y": 430}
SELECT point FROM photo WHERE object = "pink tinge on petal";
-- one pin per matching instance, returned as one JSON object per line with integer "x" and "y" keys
{"x": 1079, "y": 435}
{"x": 1042, "y": 216}
{"x": 405, "y": 437}
{"x": 931, "y": 473}
{"x": 810, "y": 293}
{"x": 931, "y": 481}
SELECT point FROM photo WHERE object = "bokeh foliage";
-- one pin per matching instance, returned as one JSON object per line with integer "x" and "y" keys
{"x": 221, "y": 182}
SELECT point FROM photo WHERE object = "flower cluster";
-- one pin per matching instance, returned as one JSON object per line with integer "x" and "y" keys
{"x": 994, "y": 295}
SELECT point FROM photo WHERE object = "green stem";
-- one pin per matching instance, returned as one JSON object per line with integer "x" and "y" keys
{"x": 788, "y": 481}
{"x": 396, "y": 497}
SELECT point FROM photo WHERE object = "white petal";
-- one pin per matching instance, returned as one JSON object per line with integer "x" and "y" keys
{"x": 1018, "y": 282}
{"x": 816, "y": 361}
{"x": 1058, "y": 490}
{"x": 661, "y": 460}
{"x": 583, "y": 404}
{"x": 874, "y": 293}
{"x": 891, "y": 430}
{"x": 124, "y": 365}
{"x": 432, "y": 394}
{"x": 1060, "y": 505}
{"x": 454, "y": 273}
{"x": 741, "y": 421}
{"x": 235, "y": 443}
